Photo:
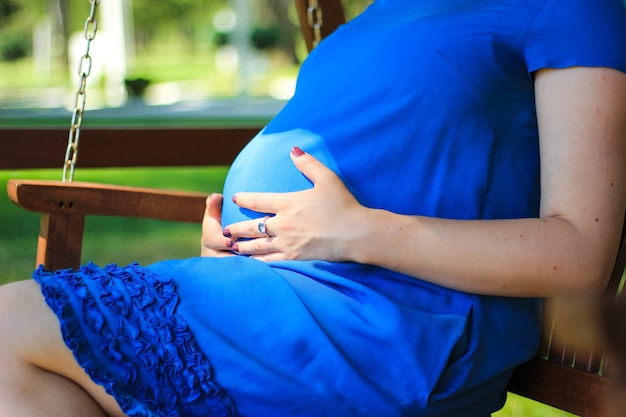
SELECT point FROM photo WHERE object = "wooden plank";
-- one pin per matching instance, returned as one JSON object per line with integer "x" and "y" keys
{"x": 60, "y": 241}
{"x": 124, "y": 147}
{"x": 560, "y": 386}
{"x": 79, "y": 198}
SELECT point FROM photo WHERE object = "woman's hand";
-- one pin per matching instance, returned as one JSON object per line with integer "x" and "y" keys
{"x": 213, "y": 242}
{"x": 317, "y": 223}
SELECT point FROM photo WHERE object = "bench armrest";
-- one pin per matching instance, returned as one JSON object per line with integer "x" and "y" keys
{"x": 79, "y": 198}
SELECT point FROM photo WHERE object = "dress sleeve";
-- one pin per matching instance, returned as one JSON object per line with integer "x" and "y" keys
{"x": 577, "y": 33}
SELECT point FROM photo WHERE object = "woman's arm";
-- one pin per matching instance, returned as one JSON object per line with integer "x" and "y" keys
{"x": 570, "y": 248}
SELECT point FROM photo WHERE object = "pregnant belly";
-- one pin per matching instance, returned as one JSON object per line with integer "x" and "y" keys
{"x": 264, "y": 165}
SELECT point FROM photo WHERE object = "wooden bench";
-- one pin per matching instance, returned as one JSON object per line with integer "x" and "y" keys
{"x": 562, "y": 375}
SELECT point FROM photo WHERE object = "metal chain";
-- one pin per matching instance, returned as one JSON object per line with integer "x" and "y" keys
{"x": 84, "y": 69}
{"x": 314, "y": 16}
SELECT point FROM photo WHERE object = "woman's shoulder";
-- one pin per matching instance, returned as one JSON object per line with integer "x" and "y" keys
{"x": 566, "y": 33}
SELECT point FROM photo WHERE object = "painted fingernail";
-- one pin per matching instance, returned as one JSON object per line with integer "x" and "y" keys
{"x": 230, "y": 243}
{"x": 227, "y": 233}
{"x": 235, "y": 247}
{"x": 297, "y": 151}
{"x": 234, "y": 199}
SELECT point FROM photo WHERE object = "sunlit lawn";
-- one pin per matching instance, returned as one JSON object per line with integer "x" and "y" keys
{"x": 169, "y": 66}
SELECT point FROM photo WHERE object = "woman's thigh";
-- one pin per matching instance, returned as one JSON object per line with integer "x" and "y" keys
{"x": 32, "y": 336}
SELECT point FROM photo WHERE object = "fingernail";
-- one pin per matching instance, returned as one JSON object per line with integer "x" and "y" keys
{"x": 230, "y": 243}
{"x": 234, "y": 199}
{"x": 235, "y": 247}
{"x": 227, "y": 233}
{"x": 297, "y": 151}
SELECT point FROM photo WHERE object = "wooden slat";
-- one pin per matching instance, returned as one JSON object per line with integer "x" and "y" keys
{"x": 123, "y": 147}
{"x": 560, "y": 386}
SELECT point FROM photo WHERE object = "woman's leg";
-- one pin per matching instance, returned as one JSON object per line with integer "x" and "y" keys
{"x": 39, "y": 376}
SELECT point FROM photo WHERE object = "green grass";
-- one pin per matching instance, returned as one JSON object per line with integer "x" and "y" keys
{"x": 517, "y": 406}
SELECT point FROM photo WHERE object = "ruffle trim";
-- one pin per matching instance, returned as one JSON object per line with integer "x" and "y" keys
{"x": 159, "y": 369}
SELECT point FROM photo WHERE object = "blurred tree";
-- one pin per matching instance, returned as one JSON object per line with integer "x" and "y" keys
{"x": 354, "y": 7}
{"x": 58, "y": 10}
{"x": 187, "y": 17}
{"x": 21, "y": 16}
{"x": 279, "y": 16}
{"x": 275, "y": 23}
{"x": 7, "y": 8}
{"x": 16, "y": 17}
{"x": 277, "y": 19}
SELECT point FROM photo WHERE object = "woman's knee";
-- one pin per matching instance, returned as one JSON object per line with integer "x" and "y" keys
{"x": 15, "y": 297}
{"x": 32, "y": 334}
{"x": 33, "y": 355}
{"x": 30, "y": 328}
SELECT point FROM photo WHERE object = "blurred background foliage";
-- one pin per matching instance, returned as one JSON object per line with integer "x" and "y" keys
{"x": 168, "y": 40}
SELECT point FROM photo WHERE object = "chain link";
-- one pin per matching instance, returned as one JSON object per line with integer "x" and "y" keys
{"x": 314, "y": 16}
{"x": 84, "y": 69}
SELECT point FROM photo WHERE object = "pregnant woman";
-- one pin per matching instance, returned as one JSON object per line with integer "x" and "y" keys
{"x": 382, "y": 244}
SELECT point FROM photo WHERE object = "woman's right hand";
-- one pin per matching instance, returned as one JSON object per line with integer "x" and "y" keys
{"x": 213, "y": 242}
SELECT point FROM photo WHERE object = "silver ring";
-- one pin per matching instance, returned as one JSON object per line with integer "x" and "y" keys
{"x": 263, "y": 227}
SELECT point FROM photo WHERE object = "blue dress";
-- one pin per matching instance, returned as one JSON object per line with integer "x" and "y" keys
{"x": 422, "y": 107}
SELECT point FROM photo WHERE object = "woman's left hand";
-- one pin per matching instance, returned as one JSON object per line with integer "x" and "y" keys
{"x": 213, "y": 243}
{"x": 317, "y": 223}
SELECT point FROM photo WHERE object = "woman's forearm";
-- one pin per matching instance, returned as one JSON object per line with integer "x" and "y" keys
{"x": 524, "y": 257}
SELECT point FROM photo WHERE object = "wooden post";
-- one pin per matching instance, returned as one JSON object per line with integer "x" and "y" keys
{"x": 60, "y": 240}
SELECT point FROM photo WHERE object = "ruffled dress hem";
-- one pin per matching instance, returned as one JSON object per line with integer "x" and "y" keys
{"x": 121, "y": 324}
